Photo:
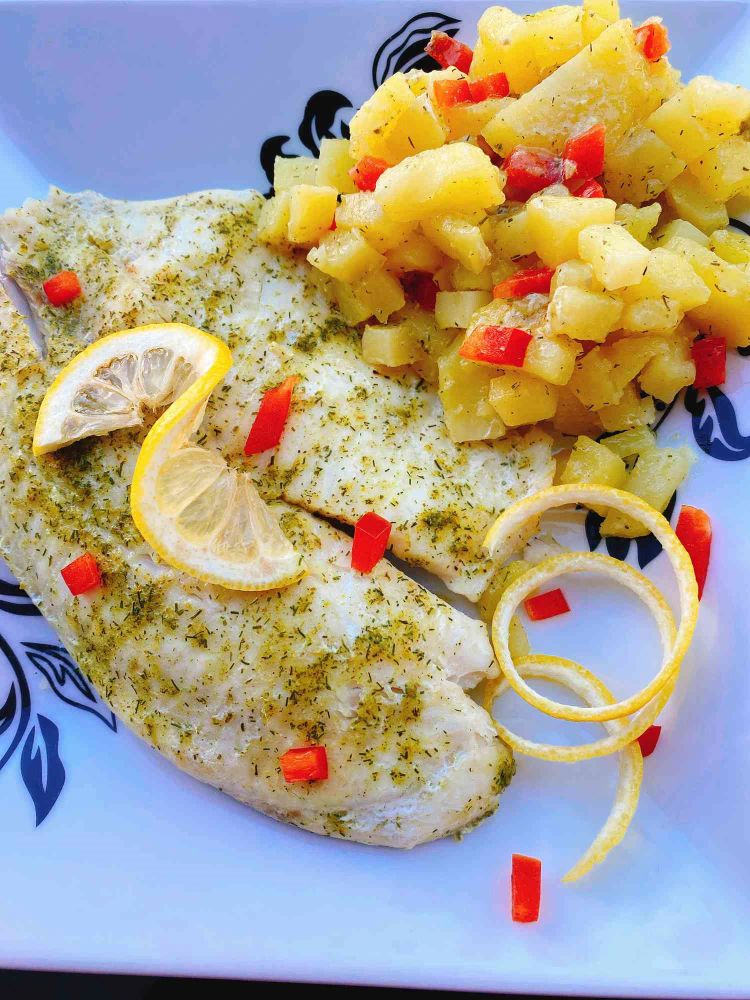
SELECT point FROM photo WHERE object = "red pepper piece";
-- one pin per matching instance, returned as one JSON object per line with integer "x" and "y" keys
{"x": 533, "y": 279}
{"x": 494, "y": 85}
{"x": 526, "y": 888}
{"x": 82, "y": 574}
{"x": 304, "y": 764}
{"x": 591, "y": 189}
{"x": 530, "y": 170}
{"x": 447, "y": 51}
{"x": 366, "y": 172}
{"x": 62, "y": 288}
{"x": 648, "y": 740}
{"x": 421, "y": 288}
{"x": 496, "y": 345}
{"x": 694, "y": 531}
{"x": 710, "y": 357}
{"x": 586, "y": 152}
{"x": 271, "y": 417}
{"x": 547, "y": 605}
{"x": 652, "y": 39}
{"x": 449, "y": 93}
{"x": 371, "y": 534}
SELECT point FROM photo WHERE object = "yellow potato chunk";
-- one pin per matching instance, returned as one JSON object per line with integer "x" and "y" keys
{"x": 459, "y": 239}
{"x": 609, "y": 10}
{"x": 502, "y": 46}
{"x": 676, "y": 124}
{"x": 600, "y": 377}
{"x": 416, "y": 253}
{"x": 463, "y": 279}
{"x": 555, "y": 36}
{"x": 668, "y": 371}
{"x": 464, "y": 392}
{"x": 273, "y": 221}
{"x": 311, "y": 211}
{"x": 509, "y": 235}
{"x": 679, "y": 229}
{"x": 575, "y": 273}
{"x": 572, "y": 417}
{"x": 464, "y": 120}
{"x": 655, "y": 477}
{"x": 639, "y": 166}
{"x": 583, "y": 315}
{"x": 390, "y": 346}
{"x": 522, "y": 399}
{"x": 731, "y": 246}
{"x": 362, "y": 211}
{"x": 668, "y": 274}
{"x": 454, "y": 310}
{"x": 687, "y": 199}
{"x": 381, "y": 293}
{"x": 555, "y": 223}
{"x": 726, "y": 312}
{"x": 618, "y": 259}
{"x": 651, "y": 315}
{"x": 354, "y": 309}
{"x": 289, "y": 171}
{"x": 590, "y": 462}
{"x": 638, "y": 221}
{"x": 395, "y": 123}
{"x": 457, "y": 178}
{"x": 722, "y": 107}
{"x": 723, "y": 171}
{"x": 551, "y": 358}
{"x": 334, "y": 163}
{"x": 628, "y": 444}
{"x": 345, "y": 254}
{"x": 633, "y": 410}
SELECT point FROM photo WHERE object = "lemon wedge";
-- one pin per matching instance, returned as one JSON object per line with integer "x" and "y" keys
{"x": 197, "y": 513}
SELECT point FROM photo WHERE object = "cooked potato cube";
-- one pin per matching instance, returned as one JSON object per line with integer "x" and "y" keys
{"x": 311, "y": 211}
{"x": 457, "y": 178}
{"x": 455, "y": 309}
{"x": 639, "y": 166}
{"x": 464, "y": 120}
{"x": 723, "y": 171}
{"x": 551, "y": 358}
{"x": 668, "y": 274}
{"x": 722, "y": 107}
{"x": 572, "y": 417}
{"x": 522, "y": 399}
{"x": 617, "y": 258}
{"x": 289, "y": 171}
{"x": 464, "y": 280}
{"x": 362, "y": 211}
{"x": 509, "y": 235}
{"x": 395, "y": 123}
{"x": 345, "y": 254}
{"x": 679, "y": 229}
{"x": 655, "y": 477}
{"x": 638, "y": 221}
{"x": 687, "y": 199}
{"x": 554, "y": 224}
{"x": 460, "y": 239}
{"x": 575, "y": 273}
{"x": 464, "y": 392}
{"x": 676, "y": 124}
{"x": 590, "y": 462}
{"x": 583, "y": 315}
{"x": 502, "y": 46}
{"x": 651, "y": 315}
{"x": 351, "y": 306}
{"x": 607, "y": 9}
{"x": 555, "y": 36}
{"x": 628, "y": 444}
{"x": 390, "y": 346}
{"x": 334, "y": 163}
{"x": 668, "y": 371}
{"x": 731, "y": 246}
{"x": 726, "y": 312}
{"x": 416, "y": 253}
{"x": 633, "y": 410}
{"x": 593, "y": 383}
{"x": 381, "y": 293}
{"x": 273, "y": 221}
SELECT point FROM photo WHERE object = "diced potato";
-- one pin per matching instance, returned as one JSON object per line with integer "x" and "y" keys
{"x": 651, "y": 315}
{"x": 617, "y": 258}
{"x": 311, "y": 211}
{"x": 498, "y": 585}
{"x": 638, "y": 221}
{"x": 395, "y": 123}
{"x": 679, "y": 229}
{"x": 723, "y": 171}
{"x": 381, "y": 293}
{"x": 334, "y": 163}
{"x": 416, "y": 253}
{"x": 456, "y": 178}
{"x": 555, "y": 36}
{"x": 590, "y": 462}
{"x": 273, "y": 221}
{"x": 345, "y": 254}
{"x": 502, "y": 46}
{"x": 444, "y": 277}
{"x": 522, "y": 399}
{"x": 722, "y": 107}
{"x": 362, "y": 211}
{"x": 639, "y": 166}
{"x": 608, "y": 81}
{"x": 633, "y": 410}
{"x": 731, "y": 246}
{"x": 460, "y": 239}
{"x": 554, "y": 224}
{"x": 464, "y": 120}
{"x": 689, "y": 202}
{"x": 726, "y": 312}
{"x": 679, "y": 127}
{"x": 509, "y": 235}
{"x": 351, "y": 306}
{"x": 655, "y": 477}
{"x": 464, "y": 392}
{"x": 600, "y": 377}
{"x": 607, "y": 9}
{"x": 572, "y": 417}
{"x": 575, "y": 273}
{"x": 289, "y": 171}
{"x": 390, "y": 346}
{"x": 583, "y": 315}
{"x": 551, "y": 359}
{"x": 628, "y": 444}
{"x": 669, "y": 274}
{"x": 432, "y": 341}
{"x": 456, "y": 309}
{"x": 464, "y": 280}
{"x": 668, "y": 371}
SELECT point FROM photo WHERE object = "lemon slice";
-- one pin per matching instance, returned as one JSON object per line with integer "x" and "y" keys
{"x": 200, "y": 515}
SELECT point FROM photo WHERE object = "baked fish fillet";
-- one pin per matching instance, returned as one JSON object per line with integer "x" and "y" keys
{"x": 221, "y": 683}
{"x": 356, "y": 440}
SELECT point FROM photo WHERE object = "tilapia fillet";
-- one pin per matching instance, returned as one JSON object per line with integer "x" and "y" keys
{"x": 373, "y": 667}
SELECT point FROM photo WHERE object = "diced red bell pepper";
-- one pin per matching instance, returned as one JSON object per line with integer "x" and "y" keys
{"x": 63, "y": 288}
{"x": 652, "y": 39}
{"x": 448, "y": 51}
{"x": 586, "y": 152}
{"x": 591, "y": 189}
{"x": 529, "y": 170}
{"x": 449, "y": 93}
{"x": 648, "y": 740}
{"x": 547, "y": 605}
{"x": 694, "y": 531}
{"x": 710, "y": 357}
{"x": 494, "y": 85}
{"x": 366, "y": 172}
{"x": 496, "y": 345}
{"x": 421, "y": 288}
{"x": 304, "y": 764}
{"x": 82, "y": 574}
{"x": 526, "y": 889}
{"x": 532, "y": 279}
{"x": 271, "y": 417}
{"x": 371, "y": 534}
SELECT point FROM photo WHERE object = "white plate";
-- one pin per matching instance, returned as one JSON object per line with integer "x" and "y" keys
{"x": 135, "y": 867}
